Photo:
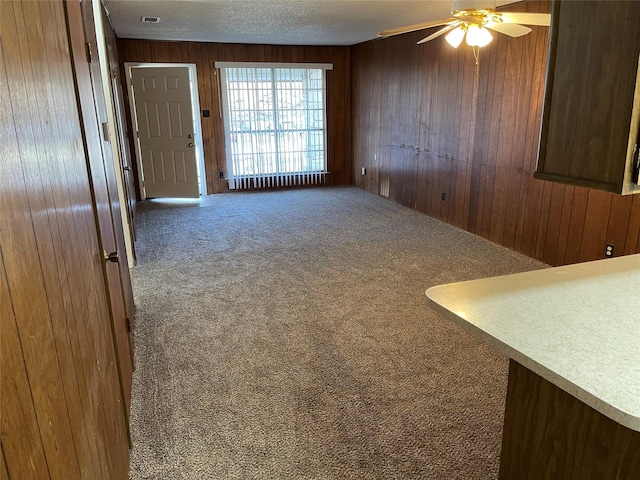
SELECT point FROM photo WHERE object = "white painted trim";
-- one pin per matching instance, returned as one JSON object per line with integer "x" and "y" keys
{"x": 195, "y": 102}
{"x": 628, "y": 185}
{"x": 314, "y": 66}
{"x": 109, "y": 97}
{"x": 197, "y": 123}
{"x": 224, "y": 101}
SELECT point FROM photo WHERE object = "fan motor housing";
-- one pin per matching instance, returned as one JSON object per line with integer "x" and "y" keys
{"x": 472, "y": 5}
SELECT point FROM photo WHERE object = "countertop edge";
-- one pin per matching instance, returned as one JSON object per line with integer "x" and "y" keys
{"x": 623, "y": 418}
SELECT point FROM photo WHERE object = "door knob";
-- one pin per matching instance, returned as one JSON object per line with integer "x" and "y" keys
{"x": 190, "y": 145}
{"x": 111, "y": 257}
{"x": 190, "y": 136}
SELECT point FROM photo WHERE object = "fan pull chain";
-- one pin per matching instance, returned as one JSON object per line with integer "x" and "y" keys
{"x": 476, "y": 55}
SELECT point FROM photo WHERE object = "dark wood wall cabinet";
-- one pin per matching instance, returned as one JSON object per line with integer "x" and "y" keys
{"x": 591, "y": 110}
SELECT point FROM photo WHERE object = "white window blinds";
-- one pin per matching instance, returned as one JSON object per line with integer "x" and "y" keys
{"x": 275, "y": 123}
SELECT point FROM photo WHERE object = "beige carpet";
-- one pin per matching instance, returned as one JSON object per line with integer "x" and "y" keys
{"x": 286, "y": 335}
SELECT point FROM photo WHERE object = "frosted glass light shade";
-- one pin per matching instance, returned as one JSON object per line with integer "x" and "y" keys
{"x": 478, "y": 36}
{"x": 455, "y": 36}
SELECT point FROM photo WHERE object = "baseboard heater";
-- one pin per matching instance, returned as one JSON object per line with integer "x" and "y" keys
{"x": 256, "y": 182}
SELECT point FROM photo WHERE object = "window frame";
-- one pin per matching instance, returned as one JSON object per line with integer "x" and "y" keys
{"x": 277, "y": 178}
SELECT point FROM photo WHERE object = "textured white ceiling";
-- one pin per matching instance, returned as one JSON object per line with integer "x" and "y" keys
{"x": 270, "y": 22}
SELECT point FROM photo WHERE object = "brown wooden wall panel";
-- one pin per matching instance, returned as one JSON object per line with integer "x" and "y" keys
{"x": 62, "y": 413}
{"x": 427, "y": 121}
{"x": 633, "y": 229}
{"x": 4, "y": 475}
{"x": 18, "y": 414}
{"x": 549, "y": 433}
{"x": 204, "y": 55}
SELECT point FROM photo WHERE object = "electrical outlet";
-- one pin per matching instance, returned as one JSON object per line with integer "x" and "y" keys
{"x": 443, "y": 196}
{"x": 221, "y": 175}
{"x": 364, "y": 171}
{"x": 608, "y": 250}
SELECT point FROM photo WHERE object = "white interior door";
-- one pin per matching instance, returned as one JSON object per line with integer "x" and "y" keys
{"x": 162, "y": 98}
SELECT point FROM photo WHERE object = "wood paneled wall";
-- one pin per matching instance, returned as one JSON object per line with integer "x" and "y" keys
{"x": 204, "y": 55}
{"x": 61, "y": 412}
{"x": 427, "y": 122}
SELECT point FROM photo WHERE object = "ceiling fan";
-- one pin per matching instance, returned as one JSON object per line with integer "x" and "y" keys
{"x": 473, "y": 19}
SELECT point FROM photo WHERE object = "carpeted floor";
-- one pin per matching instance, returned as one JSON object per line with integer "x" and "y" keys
{"x": 286, "y": 335}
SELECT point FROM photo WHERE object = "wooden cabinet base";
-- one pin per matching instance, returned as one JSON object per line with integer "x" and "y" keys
{"x": 549, "y": 434}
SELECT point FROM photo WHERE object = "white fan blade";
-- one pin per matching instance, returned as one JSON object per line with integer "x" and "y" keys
{"x": 524, "y": 18}
{"x": 415, "y": 27}
{"x": 442, "y": 31}
{"x": 511, "y": 29}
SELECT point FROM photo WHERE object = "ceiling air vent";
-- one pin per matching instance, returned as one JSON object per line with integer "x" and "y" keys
{"x": 150, "y": 20}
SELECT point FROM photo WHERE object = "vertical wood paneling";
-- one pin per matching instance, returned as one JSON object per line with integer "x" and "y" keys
{"x": 518, "y": 157}
{"x": 576, "y": 226}
{"x": 532, "y": 190}
{"x": 619, "y": 222}
{"x": 479, "y": 129}
{"x": 4, "y": 474}
{"x": 543, "y": 221}
{"x": 563, "y": 233}
{"x": 596, "y": 223}
{"x": 633, "y": 230}
{"x": 496, "y": 82}
{"x": 26, "y": 450}
{"x": 549, "y": 433}
{"x": 22, "y": 192}
{"x": 204, "y": 55}
{"x": 62, "y": 414}
{"x": 466, "y": 141}
{"x": 505, "y": 141}
{"x": 551, "y": 240}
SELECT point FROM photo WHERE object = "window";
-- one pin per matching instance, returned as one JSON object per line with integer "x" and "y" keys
{"x": 275, "y": 123}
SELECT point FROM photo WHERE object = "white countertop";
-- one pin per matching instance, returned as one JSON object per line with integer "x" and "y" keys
{"x": 577, "y": 326}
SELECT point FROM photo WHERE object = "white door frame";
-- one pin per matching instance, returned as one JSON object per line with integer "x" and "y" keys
{"x": 197, "y": 127}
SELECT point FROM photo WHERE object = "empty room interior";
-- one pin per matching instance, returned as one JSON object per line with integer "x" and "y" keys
{"x": 309, "y": 239}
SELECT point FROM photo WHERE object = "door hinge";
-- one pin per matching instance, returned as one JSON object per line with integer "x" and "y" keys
{"x": 635, "y": 164}
{"x": 105, "y": 132}
{"x": 89, "y": 54}
{"x": 128, "y": 325}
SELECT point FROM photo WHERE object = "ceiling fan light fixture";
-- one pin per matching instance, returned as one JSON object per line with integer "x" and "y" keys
{"x": 478, "y": 36}
{"x": 455, "y": 36}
